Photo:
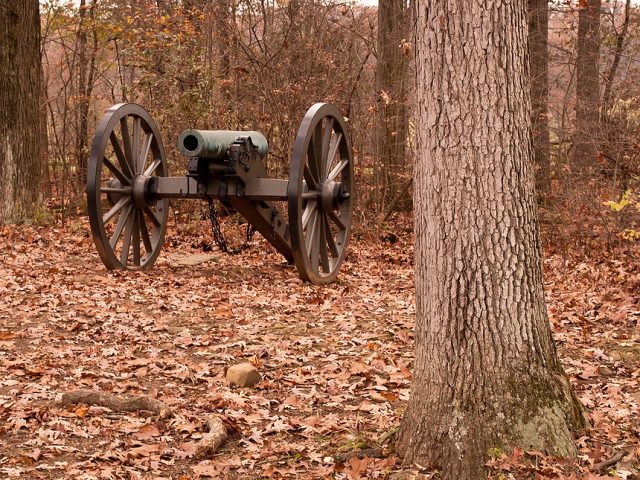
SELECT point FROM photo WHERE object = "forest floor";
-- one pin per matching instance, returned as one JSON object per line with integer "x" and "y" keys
{"x": 336, "y": 360}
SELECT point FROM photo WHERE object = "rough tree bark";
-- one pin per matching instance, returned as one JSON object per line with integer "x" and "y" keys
{"x": 587, "y": 132}
{"x": 391, "y": 76}
{"x": 20, "y": 166}
{"x": 539, "y": 60}
{"x": 486, "y": 372}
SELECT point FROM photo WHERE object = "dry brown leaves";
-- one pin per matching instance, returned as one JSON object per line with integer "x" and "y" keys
{"x": 335, "y": 361}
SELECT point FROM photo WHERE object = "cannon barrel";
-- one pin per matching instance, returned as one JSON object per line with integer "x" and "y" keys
{"x": 214, "y": 143}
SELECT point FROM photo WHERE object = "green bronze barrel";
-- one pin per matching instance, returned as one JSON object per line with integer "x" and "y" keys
{"x": 214, "y": 143}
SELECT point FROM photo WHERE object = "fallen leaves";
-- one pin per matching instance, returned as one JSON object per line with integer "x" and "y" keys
{"x": 328, "y": 357}
{"x": 335, "y": 360}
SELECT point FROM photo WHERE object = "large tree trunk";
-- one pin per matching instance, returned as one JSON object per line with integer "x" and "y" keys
{"x": 539, "y": 60}
{"x": 486, "y": 372}
{"x": 20, "y": 166}
{"x": 391, "y": 79}
{"x": 587, "y": 133}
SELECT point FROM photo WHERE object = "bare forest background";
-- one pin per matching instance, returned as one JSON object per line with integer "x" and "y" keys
{"x": 259, "y": 64}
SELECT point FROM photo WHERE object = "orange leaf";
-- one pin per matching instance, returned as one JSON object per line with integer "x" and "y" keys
{"x": 82, "y": 411}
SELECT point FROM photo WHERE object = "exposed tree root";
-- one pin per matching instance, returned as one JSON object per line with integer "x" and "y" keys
{"x": 212, "y": 440}
{"x": 115, "y": 403}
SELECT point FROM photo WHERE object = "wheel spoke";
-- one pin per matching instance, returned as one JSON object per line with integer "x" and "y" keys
{"x": 332, "y": 153}
{"x": 122, "y": 159}
{"x": 315, "y": 152}
{"x": 306, "y": 215}
{"x": 126, "y": 141}
{"x": 124, "y": 255}
{"x": 135, "y": 237}
{"x": 331, "y": 243}
{"x": 311, "y": 233}
{"x": 116, "y": 173}
{"x": 146, "y": 146}
{"x": 122, "y": 220}
{"x": 144, "y": 233}
{"x": 115, "y": 209}
{"x": 322, "y": 243}
{"x": 135, "y": 147}
{"x": 152, "y": 216}
{"x": 152, "y": 168}
{"x": 336, "y": 219}
{"x": 326, "y": 142}
{"x": 315, "y": 243}
{"x": 337, "y": 170}
{"x": 309, "y": 178}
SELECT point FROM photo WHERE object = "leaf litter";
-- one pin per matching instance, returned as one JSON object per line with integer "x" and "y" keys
{"x": 335, "y": 361}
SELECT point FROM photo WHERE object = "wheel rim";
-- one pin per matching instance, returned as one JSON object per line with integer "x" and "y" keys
{"x": 128, "y": 227}
{"x": 320, "y": 194}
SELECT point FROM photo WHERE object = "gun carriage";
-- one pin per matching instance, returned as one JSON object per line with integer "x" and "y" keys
{"x": 129, "y": 187}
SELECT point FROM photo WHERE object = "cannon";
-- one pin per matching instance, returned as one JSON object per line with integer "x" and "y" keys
{"x": 129, "y": 187}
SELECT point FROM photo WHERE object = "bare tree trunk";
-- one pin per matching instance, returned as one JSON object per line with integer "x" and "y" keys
{"x": 86, "y": 78}
{"x": 486, "y": 372}
{"x": 391, "y": 76}
{"x": 20, "y": 166}
{"x": 611, "y": 142}
{"x": 44, "y": 134}
{"x": 224, "y": 14}
{"x": 587, "y": 133}
{"x": 539, "y": 61}
{"x": 611, "y": 74}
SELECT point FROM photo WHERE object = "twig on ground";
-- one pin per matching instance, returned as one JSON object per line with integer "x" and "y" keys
{"x": 598, "y": 467}
{"x": 115, "y": 403}
{"x": 212, "y": 440}
{"x": 366, "y": 452}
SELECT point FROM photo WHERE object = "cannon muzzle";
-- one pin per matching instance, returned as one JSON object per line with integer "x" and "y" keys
{"x": 215, "y": 143}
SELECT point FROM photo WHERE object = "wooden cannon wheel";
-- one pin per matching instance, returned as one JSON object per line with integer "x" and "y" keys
{"x": 128, "y": 229}
{"x": 320, "y": 194}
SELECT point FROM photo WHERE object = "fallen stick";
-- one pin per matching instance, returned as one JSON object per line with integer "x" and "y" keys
{"x": 367, "y": 452}
{"x": 215, "y": 436}
{"x": 609, "y": 463}
{"x": 115, "y": 403}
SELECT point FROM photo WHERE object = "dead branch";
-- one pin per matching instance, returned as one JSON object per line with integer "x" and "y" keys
{"x": 367, "y": 452}
{"x": 212, "y": 440}
{"x": 396, "y": 200}
{"x": 115, "y": 403}
{"x": 598, "y": 467}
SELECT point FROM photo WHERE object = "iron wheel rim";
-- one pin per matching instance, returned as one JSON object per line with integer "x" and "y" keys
{"x": 320, "y": 222}
{"x": 126, "y": 149}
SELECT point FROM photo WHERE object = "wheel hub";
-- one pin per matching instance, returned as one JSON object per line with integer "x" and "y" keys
{"x": 139, "y": 190}
{"x": 332, "y": 194}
